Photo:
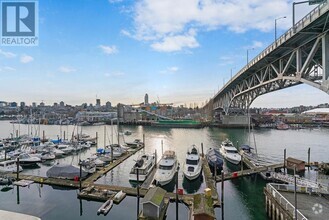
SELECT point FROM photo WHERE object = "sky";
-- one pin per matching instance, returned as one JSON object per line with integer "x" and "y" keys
{"x": 177, "y": 51}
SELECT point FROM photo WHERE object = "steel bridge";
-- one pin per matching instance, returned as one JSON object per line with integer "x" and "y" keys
{"x": 301, "y": 55}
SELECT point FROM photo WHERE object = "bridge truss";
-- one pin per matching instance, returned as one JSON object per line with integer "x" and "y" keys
{"x": 301, "y": 55}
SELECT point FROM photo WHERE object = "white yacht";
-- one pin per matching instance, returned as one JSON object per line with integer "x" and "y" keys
{"x": 9, "y": 166}
{"x": 229, "y": 152}
{"x": 28, "y": 160}
{"x": 167, "y": 168}
{"x": 58, "y": 153}
{"x": 67, "y": 149}
{"x": 136, "y": 143}
{"x": 193, "y": 164}
{"x": 145, "y": 164}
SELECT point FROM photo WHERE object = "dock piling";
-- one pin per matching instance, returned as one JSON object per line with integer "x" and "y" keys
{"x": 5, "y": 155}
{"x": 43, "y": 136}
{"x": 202, "y": 154}
{"x": 144, "y": 142}
{"x": 177, "y": 194}
{"x": 222, "y": 195}
{"x": 80, "y": 187}
{"x": 64, "y": 135}
{"x": 284, "y": 161}
{"x": 17, "y": 174}
{"x": 156, "y": 157}
{"x": 309, "y": 157}
{"x": 137, "y": 170}
{"x": 295, "y": 192}
{"x": 96, "y": 140}
{"x": 162, "y": 147}
{"x": 241, "y": 163}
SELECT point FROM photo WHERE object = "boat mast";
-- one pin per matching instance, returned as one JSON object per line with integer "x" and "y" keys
{"x": 118, "y": 131}
{"x": 104, "y": 136}
{"x": 112, "y": 131}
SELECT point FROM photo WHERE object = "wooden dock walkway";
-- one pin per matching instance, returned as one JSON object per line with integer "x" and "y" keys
{"x": 147, "y": 183}
{"x": 210, "y": 182}
{"x": 248, "y": 172}
{"x": 107, "y": 168}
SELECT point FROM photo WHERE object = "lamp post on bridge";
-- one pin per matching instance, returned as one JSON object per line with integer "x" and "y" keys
{"x": 310, "y": 2}
{"x": 275, "y": 28}
{"x": 231, "y": 72}
{"x": 248, "y": 54}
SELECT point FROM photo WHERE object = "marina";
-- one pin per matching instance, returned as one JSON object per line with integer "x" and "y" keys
{"x": 94, "y": 186}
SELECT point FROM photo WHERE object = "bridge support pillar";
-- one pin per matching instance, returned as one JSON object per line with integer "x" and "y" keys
{"x": 325, "y": 63}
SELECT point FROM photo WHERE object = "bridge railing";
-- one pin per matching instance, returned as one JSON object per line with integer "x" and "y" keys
{"x": 306, "y": 20}
{"x": 272, "y": 189}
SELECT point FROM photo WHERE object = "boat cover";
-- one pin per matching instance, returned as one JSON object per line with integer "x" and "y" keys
{"x": 65, "y": 171}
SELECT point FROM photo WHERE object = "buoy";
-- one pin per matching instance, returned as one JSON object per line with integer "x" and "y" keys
{"x": 76, "y": 178}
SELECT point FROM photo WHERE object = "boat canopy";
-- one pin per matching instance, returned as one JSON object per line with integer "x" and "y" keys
{"x": 65, "y": 171}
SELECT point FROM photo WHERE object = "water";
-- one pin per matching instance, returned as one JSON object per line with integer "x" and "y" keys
{"x": 244, "y": 197}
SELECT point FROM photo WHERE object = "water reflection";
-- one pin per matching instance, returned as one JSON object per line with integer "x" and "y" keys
{"x": 192, "y": 186}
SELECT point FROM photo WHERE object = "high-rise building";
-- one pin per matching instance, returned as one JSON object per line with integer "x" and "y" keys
{"x": 98, "y": 102}
{"x": 61, "y": 104}
{"x": 108, "y": 105}
{"x": 146, "y": 99}
{"x": 22, "y": 105}
{"x": 34, "y": 105}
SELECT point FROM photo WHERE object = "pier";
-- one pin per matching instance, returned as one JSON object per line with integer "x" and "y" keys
{"x": 280, "y": 203}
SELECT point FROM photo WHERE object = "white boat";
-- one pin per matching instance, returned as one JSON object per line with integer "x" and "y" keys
{"x": 48, "y": 156}
{"x": 193, "y": 164}
{"x": 127, "y": 132}
{"x": 118, "y": 150}
{"x": 27, "y": 160}
{"x": 229, "y": 152}
{"x": 58, "y": 153}
{"x": 145, "y": 164}
{"x": 136, "y": 143}
{"x": 167, "y": 168}
{"x": 106, "y": 207}
{"x": 88, "y": 166}
{"x": 67, "y": 149}
{"x": 9, "y": 166}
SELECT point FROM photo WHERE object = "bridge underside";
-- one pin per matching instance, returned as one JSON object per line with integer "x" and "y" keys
{"x": 301, "y": 57}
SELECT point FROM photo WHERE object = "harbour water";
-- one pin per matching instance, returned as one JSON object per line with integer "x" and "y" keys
{"x": 244, "y": 197}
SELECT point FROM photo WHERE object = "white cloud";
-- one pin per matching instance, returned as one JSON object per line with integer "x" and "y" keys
{"x": 167, "y": 24}
{"x": 114, "y": 74}
{"x": 26, "y": 58}
{"x": 7, "y": 54}
{"x": 175, "y": 43}
{"x": 8, "y": 68}
{"x": 108, "y": 49}
{"x": 170, "y": 70}
{"x": 67, "y": 69}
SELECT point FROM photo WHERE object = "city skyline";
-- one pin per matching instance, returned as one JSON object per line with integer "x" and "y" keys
{"x": 119, "y": 50}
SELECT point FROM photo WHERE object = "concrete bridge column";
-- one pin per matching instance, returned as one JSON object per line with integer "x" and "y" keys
{"x": 325, "y": 63}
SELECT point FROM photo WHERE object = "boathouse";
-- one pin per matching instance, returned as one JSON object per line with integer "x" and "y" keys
{"x": 292, "y": 162}
{"x": 153, "y": 203}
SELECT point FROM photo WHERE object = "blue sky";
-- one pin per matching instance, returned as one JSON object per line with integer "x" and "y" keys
{"x": 178, "y": 50}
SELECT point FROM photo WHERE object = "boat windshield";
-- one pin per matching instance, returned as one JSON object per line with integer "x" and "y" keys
{"x": 192, "y": 162}
{"x": 232, "y": 151}
{"x": 161, "y": 167}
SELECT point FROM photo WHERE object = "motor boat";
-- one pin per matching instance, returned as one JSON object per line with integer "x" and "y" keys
{"x": 118, "y": 150}
{"x": 193, "y": 164}
{"x": 136, "y": 143}
{"x": 88, "y": 166}
{"x": 144, "y": 164}
{"x": 66, "y": 172}
{"x": 67, "y": 149}
{"x": 214, "y": 159}
{"x": 9, "y": 166}
{"x": 27, "y": 160}
{"x": 229, "y": 152}
{"x": 167, "y": 168}
{"x": 58, "y": 153}
{"x": 48, "y": 156}
{"x": 127, "y": 132}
